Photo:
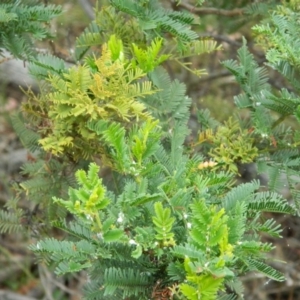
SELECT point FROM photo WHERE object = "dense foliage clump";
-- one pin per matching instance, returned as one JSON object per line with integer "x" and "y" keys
{"x": 169, "y": 222}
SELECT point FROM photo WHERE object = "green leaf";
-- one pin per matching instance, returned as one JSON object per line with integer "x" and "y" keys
{"x": 189, "y": 291}
{"x": 113, "y": 235}
{"x": 137, "y": 252}
{"x": 143, "y": 199}
{"x": 266, "y": 270}
{"x": 163, "y": 222}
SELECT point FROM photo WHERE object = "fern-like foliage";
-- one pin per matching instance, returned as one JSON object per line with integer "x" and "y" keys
{"x": 132, "y": 282}
{"x": 109, "y": 22}
{"x": 22, "y": 22}
{"x": 156, "y": 19}
{"x": 100, "y": 89}
{"x": 45, "y": 179}
{"x": 229, "y": 145}
{"x": 166, "y": 222}
{"x": 10, "y": 222}
{"x": 163, "y": 224}
{"x": 29, "y": 138}
{"x": 169, "y": 104}
{"x": 152, "y": 19}
{"x": 128, "y": 151}
{"x": 45, "y": 64}
{"x": 269, "y": 109}
{"x": 149, "y": 59}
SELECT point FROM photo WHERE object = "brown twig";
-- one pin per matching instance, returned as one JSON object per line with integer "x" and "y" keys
{"x": 211, "y": 10}
{"x": 221, "y": 38}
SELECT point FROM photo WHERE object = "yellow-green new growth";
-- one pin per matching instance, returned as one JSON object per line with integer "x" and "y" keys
{"x": 230, "y": 145}
{"x": 163, "y": 225}
{"x": 200, "y": 286}
{"x": 86, "y": 201}
{"x": 105, "y": 88}
{"x": 149, "y": 58}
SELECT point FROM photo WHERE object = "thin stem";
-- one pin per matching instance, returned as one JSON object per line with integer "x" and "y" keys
{"x": 98, "y": 221}
{"x": 211, "y": 10}
{"x": 278, "y": 121}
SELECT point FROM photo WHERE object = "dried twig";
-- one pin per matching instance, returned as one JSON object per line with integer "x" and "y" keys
{"x": 211, "y": 10}
{"x": 221, "y": 38}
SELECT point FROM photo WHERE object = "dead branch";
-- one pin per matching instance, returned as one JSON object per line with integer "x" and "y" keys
{"x": 211, "y": 10}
